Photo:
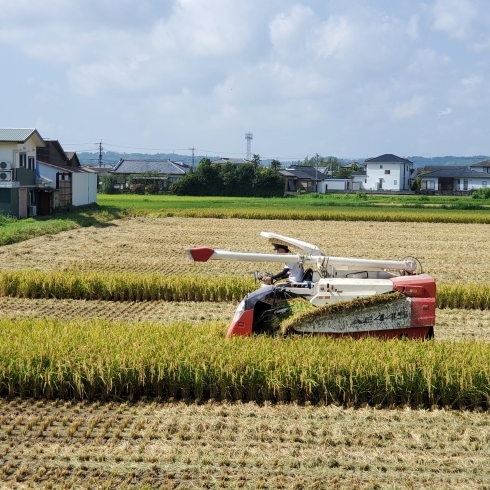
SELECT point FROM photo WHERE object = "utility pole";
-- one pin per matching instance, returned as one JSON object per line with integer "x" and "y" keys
{"x": 100, "y": 153}
{"x": 193, "y": 149}
{"x": 317, "y": 172}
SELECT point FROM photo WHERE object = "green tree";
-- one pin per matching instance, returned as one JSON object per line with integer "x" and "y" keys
{"x": 256, "y": 161}
{"x": 275, "y": 165}
{"x": 107, "y": 182}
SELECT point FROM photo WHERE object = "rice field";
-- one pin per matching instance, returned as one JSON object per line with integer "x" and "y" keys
{"x": 222, "y": 444}
{"x": 452, "y": 324}
{"x": 451, "y": 252}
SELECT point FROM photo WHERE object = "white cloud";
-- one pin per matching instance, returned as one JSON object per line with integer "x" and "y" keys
{"x": 445, "y": 112}
{"x": 455, "y": 17}
{"x": 409, "y": 108}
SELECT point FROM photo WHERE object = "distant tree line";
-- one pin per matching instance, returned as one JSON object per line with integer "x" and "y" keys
{"x": 245, "y": 180}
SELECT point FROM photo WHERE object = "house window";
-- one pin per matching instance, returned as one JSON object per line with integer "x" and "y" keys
{"x": 32, "y": 198}
{"x": 431, "y": 184}
{"x": 407, "y": 168}
{"x": 387, "y": 172}
{"x": 22, "y": 159}
{"x": 31, "y": 163}
{"x": 465, "y": 184}
{"x": 381, "y": 166}
{"x": 365, "y": 181}
{"x": 395, "y": 182}
{"x": 484, "y": 183}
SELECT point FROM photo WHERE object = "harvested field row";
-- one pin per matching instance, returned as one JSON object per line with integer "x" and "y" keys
{"x": 98, "y": 359}
{"x": 164, "y": 312}
{"x": 450, "y": 252}
{"x": 451, "y": 324}
{"x": 173, "y": 445}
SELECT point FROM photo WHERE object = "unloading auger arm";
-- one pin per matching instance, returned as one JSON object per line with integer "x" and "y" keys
{"x": 203, "y": 254}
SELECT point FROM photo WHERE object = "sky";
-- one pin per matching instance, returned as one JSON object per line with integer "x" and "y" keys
{"x": 344, "y": 78}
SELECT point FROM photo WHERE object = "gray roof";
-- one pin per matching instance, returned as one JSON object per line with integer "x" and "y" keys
{"x": 18, "y": 135}
{"x": 303, "y": 172}
{"x": 235, "y": 161}
{"x": 456, "y": 173}
{"x": 483, "y": 163}
{"x": 387, "y": 158}
{"x": 163, "y": 167}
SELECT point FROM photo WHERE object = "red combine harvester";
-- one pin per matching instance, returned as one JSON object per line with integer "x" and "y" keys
{"x": 330, "y": 280}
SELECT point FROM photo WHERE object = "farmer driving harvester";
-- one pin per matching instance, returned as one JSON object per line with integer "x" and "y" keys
{"x": 293, "y": 272}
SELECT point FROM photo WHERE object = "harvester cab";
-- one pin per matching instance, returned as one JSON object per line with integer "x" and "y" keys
{"x": 344, "y": 296}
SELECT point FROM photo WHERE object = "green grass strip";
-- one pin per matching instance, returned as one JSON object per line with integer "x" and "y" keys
{"x": 115, "y": 360}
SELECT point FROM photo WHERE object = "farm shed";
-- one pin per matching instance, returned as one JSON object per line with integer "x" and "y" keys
{"x": 75, "y": 186}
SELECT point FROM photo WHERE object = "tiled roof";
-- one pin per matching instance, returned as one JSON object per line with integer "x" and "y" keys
{"x": 18, "y": 135}
{"x": 303, "y": 172}
{"x": 483, "y": 163}
{"x": 456, "y": 173}
{"x": 235, "y": 161}
{"x": 387, "y": 158}
{"x": 164, "y": 167}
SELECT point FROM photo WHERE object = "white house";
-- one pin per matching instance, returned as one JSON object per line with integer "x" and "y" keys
{"x": 18, "y": 154}
{"x": 387, "y": 172}
{"x": 455, "y": 179}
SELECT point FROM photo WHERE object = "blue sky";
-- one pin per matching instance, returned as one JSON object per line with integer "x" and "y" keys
{"x": 348, "y": 78}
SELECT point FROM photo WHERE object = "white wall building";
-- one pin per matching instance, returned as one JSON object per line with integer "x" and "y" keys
{"x": 79, "y": 184}
{"x": 455, "y": 179}
{"x": 387, "y": 172}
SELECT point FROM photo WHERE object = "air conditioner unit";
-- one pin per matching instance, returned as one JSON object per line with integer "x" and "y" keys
{"x": 5, "y": 175}
{"x": 32, "y": 210}
{"x": 5, "y": 165}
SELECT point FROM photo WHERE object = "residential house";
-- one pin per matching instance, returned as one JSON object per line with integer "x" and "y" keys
{"x": 159, "y": 173}
{"x": 18, "y": 187}
{"x": 455, "y": 179}
{"x": 483, "y": 166}
{"x": 387, "y": 172}
{"x": 301, "y": 178}
{"x": 73, "y": 160}
{"x": 64, "y": 182}
{"x": 359, "y": 180}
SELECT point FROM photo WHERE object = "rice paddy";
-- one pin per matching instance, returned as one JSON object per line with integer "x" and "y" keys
{"x": 99, "y": 442}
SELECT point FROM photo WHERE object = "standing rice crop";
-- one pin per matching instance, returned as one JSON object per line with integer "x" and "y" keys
{"x": 114, "y": 360}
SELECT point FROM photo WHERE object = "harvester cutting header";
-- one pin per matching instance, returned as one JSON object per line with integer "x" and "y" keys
{"x": 387, "y": 298}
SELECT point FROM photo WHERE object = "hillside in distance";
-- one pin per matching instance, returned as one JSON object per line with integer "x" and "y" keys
{"x": 112, "y": 157}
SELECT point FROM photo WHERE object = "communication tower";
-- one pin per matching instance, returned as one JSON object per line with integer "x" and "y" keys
{"x": 249, "y": 137}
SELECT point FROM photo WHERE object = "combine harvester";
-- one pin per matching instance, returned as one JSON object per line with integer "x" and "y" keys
{"x": 356, "y": 297}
